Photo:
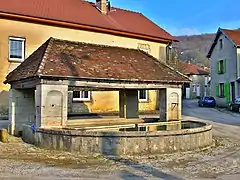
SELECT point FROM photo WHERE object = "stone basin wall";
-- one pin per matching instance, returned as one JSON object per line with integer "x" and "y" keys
{"x": 120, "y": 143}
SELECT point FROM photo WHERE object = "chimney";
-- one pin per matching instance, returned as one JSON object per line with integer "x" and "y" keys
{"x": 102, "y": 6}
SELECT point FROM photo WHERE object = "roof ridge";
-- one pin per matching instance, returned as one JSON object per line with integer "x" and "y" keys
{"x": 92, "y": 3}
{"x": 42, "y": 62}
{"x": 100, "y": 45}
{"x": 127, "y": 10}
{"x": 164, "y": 64}
{"x": 230, "y": 29}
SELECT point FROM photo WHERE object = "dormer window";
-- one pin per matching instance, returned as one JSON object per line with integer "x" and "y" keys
{"x": 220, "y": 44}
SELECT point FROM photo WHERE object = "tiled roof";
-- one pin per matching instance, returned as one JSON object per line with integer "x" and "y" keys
{"x": 192, "y": 69}
{"x": 61, "y": 58}
{"x": 234, "y": 35}
{"x": 85, "y": 13}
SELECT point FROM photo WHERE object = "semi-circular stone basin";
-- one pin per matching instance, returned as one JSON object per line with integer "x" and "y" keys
{"x": 190, "y": 135}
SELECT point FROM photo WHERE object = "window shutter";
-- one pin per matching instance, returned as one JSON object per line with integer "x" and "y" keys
{"x": 224, "y": 65}
{"x": 227, "y": 92}
{"x": 217, "y": 67}
{"x": 217, "y": 90}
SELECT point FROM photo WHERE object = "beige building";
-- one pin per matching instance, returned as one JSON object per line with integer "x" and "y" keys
{"x": 199, "y": 85}
{"x": 27, "y": 25}
{"x": 225, "y": 67}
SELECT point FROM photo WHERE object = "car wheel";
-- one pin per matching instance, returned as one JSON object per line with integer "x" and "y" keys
{"x": 239, "y": 109}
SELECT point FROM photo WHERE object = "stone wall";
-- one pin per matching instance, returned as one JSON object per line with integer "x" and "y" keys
{"x": 120, "y": 143}
{"x": 21, "y": 109}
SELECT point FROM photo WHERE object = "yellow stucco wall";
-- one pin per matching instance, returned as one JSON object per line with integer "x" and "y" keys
{"x": 108, "y": 101}
{"x": 37, "y": 34}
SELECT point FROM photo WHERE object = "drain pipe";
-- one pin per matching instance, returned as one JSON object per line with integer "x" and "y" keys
{"x": 168, "y": 52}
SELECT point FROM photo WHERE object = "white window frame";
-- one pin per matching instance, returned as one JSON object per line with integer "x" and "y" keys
{"x": 83, "y": 99}
{"x": 23, "y": 49}
{"x": 143, "y": 100}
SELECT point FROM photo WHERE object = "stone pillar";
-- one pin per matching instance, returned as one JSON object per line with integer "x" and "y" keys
{"x": 128, "y": 104}
{"x": 51, "y": 105}
{"x": 21, "y": 109}
{"x": 170, "y": 104}
{"x": 163, "y": 104}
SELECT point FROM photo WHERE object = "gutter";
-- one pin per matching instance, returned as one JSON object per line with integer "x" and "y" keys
{"x": 81, "y": 26}
{"x": 108, "y": 80}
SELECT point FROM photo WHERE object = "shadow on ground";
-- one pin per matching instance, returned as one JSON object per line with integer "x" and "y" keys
{"x": 109, "y": 151}
{"x": 151, "y": 171}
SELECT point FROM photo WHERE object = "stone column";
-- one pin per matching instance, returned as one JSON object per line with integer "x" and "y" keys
{"x": 170, "y": 104}
{"x": 21, "y": 109}
{"x": 163, "y": 104}
{"x": 51, "y": 105}
{"x": 128, "y": 104}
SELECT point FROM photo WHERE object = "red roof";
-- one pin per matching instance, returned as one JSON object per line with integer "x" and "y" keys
{"x": 67, "y": 59}
{"x": 85, "y": 13}
{"x": 192, "y": 69}
{"x": 234, "y": 35}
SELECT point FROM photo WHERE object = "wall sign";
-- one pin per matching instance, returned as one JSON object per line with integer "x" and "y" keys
{"x": 144, "y": 47}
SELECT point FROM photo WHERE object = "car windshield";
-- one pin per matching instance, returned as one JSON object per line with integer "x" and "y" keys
{"x": 209, "y": 98}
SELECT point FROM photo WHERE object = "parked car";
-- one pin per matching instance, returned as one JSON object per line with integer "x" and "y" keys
{"x": 207, "y": 101}
{"x": 235, "y": 105}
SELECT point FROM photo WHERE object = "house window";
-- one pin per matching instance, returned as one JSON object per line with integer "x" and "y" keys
{"x": 16, "y": 49}
{"x": 143, "y": 95}
{"x": 221, "y": 90}
{"x": 81, "y": 96}
{"x": 220, "y": 44}
{"x": 221, "y": 67}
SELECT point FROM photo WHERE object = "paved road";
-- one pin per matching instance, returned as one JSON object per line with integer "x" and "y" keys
{"x": 215, "y": 163}
{"x": 190, "y": 108}
{"x": 225, "y": 123}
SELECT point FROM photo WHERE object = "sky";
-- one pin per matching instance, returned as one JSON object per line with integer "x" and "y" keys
{"x": 187, "y": 17}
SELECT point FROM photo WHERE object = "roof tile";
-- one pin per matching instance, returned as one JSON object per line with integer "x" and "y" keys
{"x": 188, "y": 68}
{"x": 234, "y": 35}
{"x": 85, "y": 13}
{"x": 81, "y": 60}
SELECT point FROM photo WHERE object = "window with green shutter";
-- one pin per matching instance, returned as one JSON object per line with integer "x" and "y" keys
{"x": 227, "y": 92}
{"x": 224, "y": 65}
{"x": 221, "y": 90}
{"x": 221, "y": 66}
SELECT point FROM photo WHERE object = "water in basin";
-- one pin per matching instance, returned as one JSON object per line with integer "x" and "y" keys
{"x": 165, "y": 127}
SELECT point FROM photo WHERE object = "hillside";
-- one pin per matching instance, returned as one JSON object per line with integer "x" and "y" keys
{"x": 194, "y": 48}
